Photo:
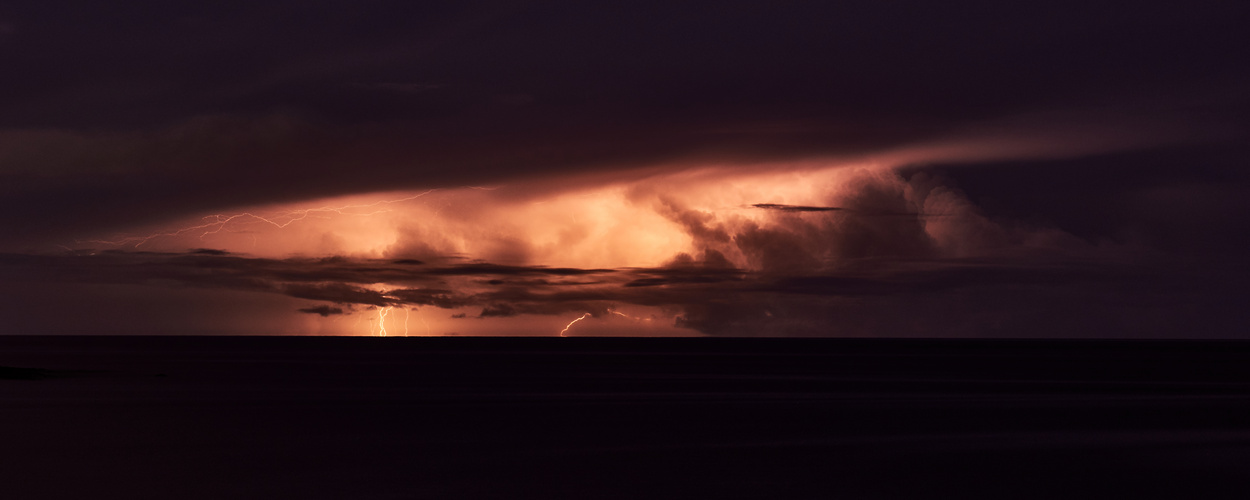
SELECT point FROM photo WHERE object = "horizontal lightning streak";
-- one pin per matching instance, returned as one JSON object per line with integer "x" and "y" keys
{"x": 623, "y": 315}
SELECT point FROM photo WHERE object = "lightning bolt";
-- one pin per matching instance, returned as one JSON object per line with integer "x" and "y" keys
{"x": 382, "y": 312}
{"x": 623, "y": 315}
{"x": 428, "y": 332}
{"x": 407, "y": 314}
{"x": 217, "y": 223}
{"x": 570, "y": 325}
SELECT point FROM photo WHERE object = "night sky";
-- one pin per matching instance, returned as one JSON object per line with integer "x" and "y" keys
{"x": 866, "y": 169}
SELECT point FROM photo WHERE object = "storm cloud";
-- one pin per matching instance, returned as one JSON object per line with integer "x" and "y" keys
{"x": 794, "y": 273}
{"x": 733, "y": 168}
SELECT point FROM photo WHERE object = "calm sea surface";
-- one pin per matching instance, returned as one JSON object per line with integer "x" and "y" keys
{"x": 414, "y": 418}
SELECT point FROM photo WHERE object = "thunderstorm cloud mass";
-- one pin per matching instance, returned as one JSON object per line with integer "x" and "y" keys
{"x": 966, "y": 169}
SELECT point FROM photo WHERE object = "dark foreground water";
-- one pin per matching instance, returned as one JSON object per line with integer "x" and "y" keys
{"x": 370, "y": 418}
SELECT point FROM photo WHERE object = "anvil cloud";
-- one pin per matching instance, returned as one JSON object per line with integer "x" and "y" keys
{"x": 964, "y": 169}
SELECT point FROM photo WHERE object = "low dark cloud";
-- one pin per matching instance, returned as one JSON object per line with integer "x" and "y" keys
{"x": 896, "y": 297}
{"x": 322, "y": 310}
{"x": 338, "y": 293}
{"x": 209, "y": 251}
{"x": 795, "y": 208}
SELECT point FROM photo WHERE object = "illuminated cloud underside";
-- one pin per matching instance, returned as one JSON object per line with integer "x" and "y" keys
{"x": 801, "y": 248}
{"x": 694, "y": 169}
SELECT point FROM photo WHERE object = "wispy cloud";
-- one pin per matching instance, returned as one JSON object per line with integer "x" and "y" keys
{"x": 403, "y": 88}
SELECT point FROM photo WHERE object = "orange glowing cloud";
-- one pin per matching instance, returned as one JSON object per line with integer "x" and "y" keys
{"x": 622, "y": 224}
{"x": 632, "y": 218}
{"x": 654, "y": 251}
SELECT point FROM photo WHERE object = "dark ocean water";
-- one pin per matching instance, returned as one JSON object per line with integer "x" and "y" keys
{"x": 413, "y": 418}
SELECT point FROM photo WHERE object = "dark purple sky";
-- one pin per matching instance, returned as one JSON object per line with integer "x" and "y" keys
{"x": 1052, "y": 168}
